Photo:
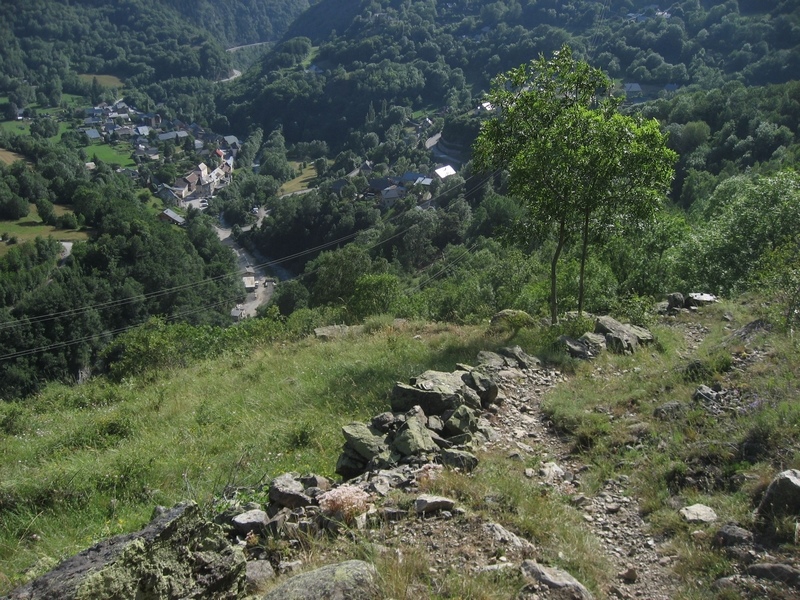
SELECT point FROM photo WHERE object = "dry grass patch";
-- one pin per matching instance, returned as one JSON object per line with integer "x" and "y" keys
{"x": 9, "y": 157}
{"x": 104, "y": 80}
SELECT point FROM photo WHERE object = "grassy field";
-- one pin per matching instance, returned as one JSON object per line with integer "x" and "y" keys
{"x": 74, "y": 101}
{"x": 31, "y": 227}
{"x": 303, "y": 181}
{"x": 104, "y": 80}
{"x": 18, "y": 127}
{"x": 9, "y": 157}
{"x": 116, "y": 155}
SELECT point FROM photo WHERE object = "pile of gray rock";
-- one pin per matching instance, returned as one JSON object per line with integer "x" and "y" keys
{"x": 608, "y": 334}
{"x": 677, "y": 302}
{"x": 436, "y": 418}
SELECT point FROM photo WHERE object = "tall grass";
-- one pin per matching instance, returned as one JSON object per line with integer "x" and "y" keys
{"x": 81, "y": 463}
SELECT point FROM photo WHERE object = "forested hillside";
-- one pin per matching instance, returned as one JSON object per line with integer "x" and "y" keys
{"x": 376, "y": 95}
{"x": 45, "y": 43}
{"x": 438, "y": 54}
{"x": 375, "y": 80}
{"x": 241, "y": 21}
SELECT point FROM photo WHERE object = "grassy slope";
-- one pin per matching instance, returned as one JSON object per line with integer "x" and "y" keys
{"x": 303, "y": 181}
{"x": 119, "y": 154}
{"x": 82, "y": 463}
{"x": 31, "y": 227}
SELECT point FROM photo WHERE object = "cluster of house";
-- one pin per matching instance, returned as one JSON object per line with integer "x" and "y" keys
{"x": 144, "y": 131}
{"x": 118, "y": 121}
{"x": 200, "y": 182}
{"x": 389, "y": 189}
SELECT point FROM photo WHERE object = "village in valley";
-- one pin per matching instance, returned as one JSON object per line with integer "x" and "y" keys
{"x": 149, "y": 136}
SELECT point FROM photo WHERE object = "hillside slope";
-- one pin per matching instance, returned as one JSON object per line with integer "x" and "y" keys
{"x": 578, "y": 462}
{"x": 241, "y": 22}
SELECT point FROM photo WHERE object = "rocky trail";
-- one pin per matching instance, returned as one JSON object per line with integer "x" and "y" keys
{"x": 612, "y": 515}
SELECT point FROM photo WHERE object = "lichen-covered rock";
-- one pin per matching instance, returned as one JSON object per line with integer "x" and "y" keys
{"x": 350, "y": 464}
{"x": 698, "y": 513}
{"x": 624, "y": 339}
{"x": 503, "y": 536}
{"x": 434, "y": 401}
{"x": 776, "y": 572}
{"x": 426, "y": 504}
{"x": 555, "y": 579}
{"x": 463, "y": 420}
{"x": 575, "y": 348}
{"x": 180, "y": 554}
{"x": 522, "y": 358}
{"x": 252, "y": 520}
{"x": 259, "y": 574}
{"x": 732, "y": 535}
{"x": 594, "y": 341}
{"x": 487, "y": 431}
{"x": 287, "y": 491}
{"x": 485, "y": 386}
{"x": 367, "y": 441}
{"x": 491, "y": 360}
{"x": 350, "y": 580}
{"x": 459, "y": 459}
{"x": 414, "y": 439}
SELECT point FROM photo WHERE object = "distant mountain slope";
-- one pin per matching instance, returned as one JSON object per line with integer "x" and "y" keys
{"x": 237, "y": 22}
{"x": 443, "y": 54}
{"x": 319, "y": 21}
{"x": 140, "y": 41}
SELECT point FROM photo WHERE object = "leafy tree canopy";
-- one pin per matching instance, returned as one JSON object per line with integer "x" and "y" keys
{"x": 575, "y": 162}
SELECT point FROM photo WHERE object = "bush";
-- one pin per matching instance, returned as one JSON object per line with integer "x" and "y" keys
{"x": 344, "y": 503}
{"x": 67, "y": 221}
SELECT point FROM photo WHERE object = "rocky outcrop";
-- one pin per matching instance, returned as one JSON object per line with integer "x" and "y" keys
{"x": 184, "y": 554}
{"x": 698, "y": 513}
{"x": 608, "y": 334}
{"x": 621, "y": 338}
{"x": 180, "y": 554}
{"x": 562, "y": 584}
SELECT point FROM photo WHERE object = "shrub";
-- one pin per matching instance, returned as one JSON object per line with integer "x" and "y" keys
{"x": 345, "y": 502}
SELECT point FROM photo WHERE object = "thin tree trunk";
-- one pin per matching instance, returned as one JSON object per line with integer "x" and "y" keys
{"x": 556, "y": 255}
{"x": 584, "y": 250}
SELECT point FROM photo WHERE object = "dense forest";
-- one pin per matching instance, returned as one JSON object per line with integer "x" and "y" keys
{"x": 356, "y": 88}
{"x": 44, "y": 44}
{"x": 133, "y": 267}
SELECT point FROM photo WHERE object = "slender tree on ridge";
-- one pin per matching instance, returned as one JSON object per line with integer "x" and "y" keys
{"x": 577, "y": 165}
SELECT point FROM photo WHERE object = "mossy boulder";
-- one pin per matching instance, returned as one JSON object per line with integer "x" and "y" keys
{"x": 180, "y": 554}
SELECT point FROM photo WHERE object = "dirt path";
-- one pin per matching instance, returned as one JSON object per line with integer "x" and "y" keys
{"x": 612, "y": 515}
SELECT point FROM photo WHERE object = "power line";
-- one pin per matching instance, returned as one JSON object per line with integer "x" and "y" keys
{"x": 165, "y": 291}
{"x": 77, "y": 311}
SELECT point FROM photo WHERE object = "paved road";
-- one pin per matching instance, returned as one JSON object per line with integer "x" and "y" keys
{"x": 244, "y": 259}
{"x": 236, "y": 73}
{"x": 235, "y": 48}
{"x": 264, "y": 289}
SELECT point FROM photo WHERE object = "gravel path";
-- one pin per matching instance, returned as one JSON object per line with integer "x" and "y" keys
{"x": 640, "y": 566}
